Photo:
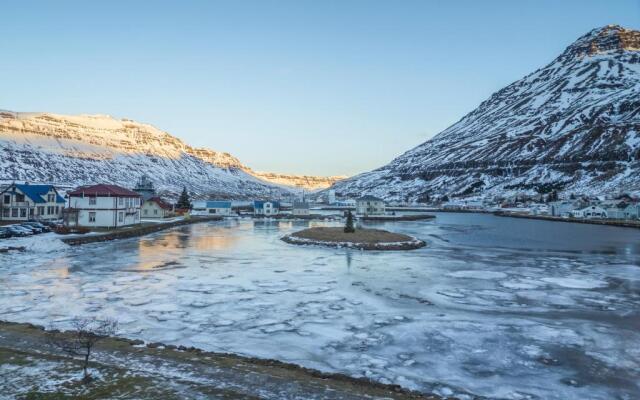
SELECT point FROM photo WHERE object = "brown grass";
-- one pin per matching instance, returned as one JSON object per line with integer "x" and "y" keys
{"x": 370, "y": 236}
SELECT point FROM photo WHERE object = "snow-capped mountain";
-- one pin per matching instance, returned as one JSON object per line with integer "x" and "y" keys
{"x": 74, "y": 150}
{"x": 573, "y": 125}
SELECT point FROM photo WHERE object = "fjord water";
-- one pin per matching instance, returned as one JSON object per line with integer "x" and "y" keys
{"x": 497, "y": 307}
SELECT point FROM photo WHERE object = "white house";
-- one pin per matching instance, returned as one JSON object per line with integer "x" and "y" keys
{"x": 370, "y": 205}
{"x": 266, "y": 208}
{"x": 590, "y": 212}
{"x": 105, "y": 206}
{"x": 300, "y": 208}
{"x": 25, "y": 202}
{"x": 563, "y": 208}
{"x": 212, "y": 207}
{"x": 331, "y": 196}
{"x": 632, "y": 211}
{"x": 155, "y": 207}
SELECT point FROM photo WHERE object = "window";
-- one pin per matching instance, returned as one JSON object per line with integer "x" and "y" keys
{"x": 57, "y": 210}
{"x": 212, "y": 211}
{"x": 92, "y": 201}
{"x": 5, "y": 212}
{"x": 40, "y": 210}
{"x": 92, "y": 217}
{"x": 31, "y": 210}
{"x": 23, "y": 213}
{"x": 19, "y": 197}
{"x": 120, "y": 216}
{"x": 145, "y": 211}
{"x": 51, "y": 198}
{"x": 120, "y": 201}
{"x": 7, "y": 199}
{"x": 155, "y": 211}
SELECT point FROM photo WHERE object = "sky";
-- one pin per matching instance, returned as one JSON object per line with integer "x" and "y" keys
{"x": 331, "y": 87}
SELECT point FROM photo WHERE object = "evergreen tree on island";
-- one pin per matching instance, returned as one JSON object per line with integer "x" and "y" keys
{"x": 348, "y": 227}
{"x": 184, "y": 202}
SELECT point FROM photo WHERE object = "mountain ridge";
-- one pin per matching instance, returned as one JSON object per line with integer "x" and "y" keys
{"x": 571, "y": 125}
{"x": 64, "y": 148}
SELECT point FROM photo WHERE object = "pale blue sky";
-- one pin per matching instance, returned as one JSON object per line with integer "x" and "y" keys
{"x": 313, "y": 87}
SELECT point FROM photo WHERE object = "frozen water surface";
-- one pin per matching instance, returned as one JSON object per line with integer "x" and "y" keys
{"x": 495, "y": 307}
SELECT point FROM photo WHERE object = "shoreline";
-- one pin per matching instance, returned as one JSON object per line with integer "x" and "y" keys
{"x": 602, "y": 222}
{"x": 236, "y": 375}
{"x": 134, "y": 231}
{"x": 362, "y": 239}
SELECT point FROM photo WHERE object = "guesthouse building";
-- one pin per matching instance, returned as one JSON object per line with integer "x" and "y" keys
{"x": 22, "y": 202}
{"x": 266, "y": 208}
{"x": 370, "y": 205}
{"x": 103, "y": 206}
{"x": 212, "y": 207}
{"x": 300, "y": 208}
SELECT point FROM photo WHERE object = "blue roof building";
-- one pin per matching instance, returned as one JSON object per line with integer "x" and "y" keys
{"x": 212, "y": 207}
{"x": 266, "y": 208}
{"x": 21, "y": 202}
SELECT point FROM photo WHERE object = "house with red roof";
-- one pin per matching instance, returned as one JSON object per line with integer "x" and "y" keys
{"x": 102, "y": 206}
{"x": 155, "y": 207}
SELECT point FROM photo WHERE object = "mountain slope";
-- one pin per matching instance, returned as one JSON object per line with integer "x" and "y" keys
{"x": 572, "y": 125}
{"x": 74, "y": 150}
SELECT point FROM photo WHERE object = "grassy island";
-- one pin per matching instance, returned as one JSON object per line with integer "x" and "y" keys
{"x": 363, "y": 239}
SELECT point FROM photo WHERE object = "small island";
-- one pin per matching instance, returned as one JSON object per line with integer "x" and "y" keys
{"x": 361, "y": 239}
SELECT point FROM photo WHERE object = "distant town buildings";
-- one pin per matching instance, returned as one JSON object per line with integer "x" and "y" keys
{"x": 22, "y": 202}
{"x": 105, "y": 206}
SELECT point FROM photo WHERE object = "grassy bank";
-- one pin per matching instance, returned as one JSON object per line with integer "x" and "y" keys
{"x": 134, "y": 231}
{"x": 31, "y": 369}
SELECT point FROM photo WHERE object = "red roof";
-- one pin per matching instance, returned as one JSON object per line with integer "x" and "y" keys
{"x": 161, "y": 203}
{"x": 103, "y": 190}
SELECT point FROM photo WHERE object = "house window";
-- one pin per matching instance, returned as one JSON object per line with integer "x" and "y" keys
{"x": 92, "y": 217}
{"x": 120, "y": 216}
{"x": 51, "y": 198}
{"x": 120, "y": 201}
{"x": 145, "y": 211}
{"x": 19, "y": 197}
{"x": 40, "y": 210}
{"x": 31, "y": 211}
{"x": 212, "y": 211}
{"x": 23, "y": 213}
{"x": 5, "y": 212}
{"x": 92, "y": 201}
{"x": 155, "y": 211}
{"x": 7, "y": 199}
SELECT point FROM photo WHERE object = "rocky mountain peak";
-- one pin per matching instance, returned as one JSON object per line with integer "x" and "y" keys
{"x": 610, "y": 38}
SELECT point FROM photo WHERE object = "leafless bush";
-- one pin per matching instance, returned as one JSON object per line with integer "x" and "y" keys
{"x": 82, "y": 338}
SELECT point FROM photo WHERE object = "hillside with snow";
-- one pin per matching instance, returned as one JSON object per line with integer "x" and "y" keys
{"x": 74, "y": 150}
{"x": 573, "y": 126}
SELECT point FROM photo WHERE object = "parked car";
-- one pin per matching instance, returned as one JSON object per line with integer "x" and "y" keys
{"x": 35, "y": 229}
{"x": 18, "y": 231}
{"x": 5, "y": 232}
{"x": 39, "y": 225}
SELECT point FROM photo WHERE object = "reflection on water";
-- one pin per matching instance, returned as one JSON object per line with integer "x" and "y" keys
{"x": 505, "y": 308}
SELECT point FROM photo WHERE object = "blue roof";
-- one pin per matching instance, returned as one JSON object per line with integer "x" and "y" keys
{"x": 218, "y": 204}
{"x": 37, "y": 192}
{"x": 260, "y": 203}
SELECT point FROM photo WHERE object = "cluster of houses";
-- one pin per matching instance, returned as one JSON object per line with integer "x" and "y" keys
{"x": 624, "y": 208}
{"x": 112, "y": 206}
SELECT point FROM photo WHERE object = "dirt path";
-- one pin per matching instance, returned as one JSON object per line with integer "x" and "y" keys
{"x": 30, "y": 368}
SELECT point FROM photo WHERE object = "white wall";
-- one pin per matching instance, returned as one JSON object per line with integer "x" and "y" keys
{"x": 109, "y": 212}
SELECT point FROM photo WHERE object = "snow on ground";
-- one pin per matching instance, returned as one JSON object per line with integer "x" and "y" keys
{"x": 500, "y": 307}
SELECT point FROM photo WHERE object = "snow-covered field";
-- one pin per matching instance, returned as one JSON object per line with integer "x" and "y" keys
{"x": 498, "y": 307}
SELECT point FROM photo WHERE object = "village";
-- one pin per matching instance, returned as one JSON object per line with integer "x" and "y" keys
{"x": 27, "y": 208}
